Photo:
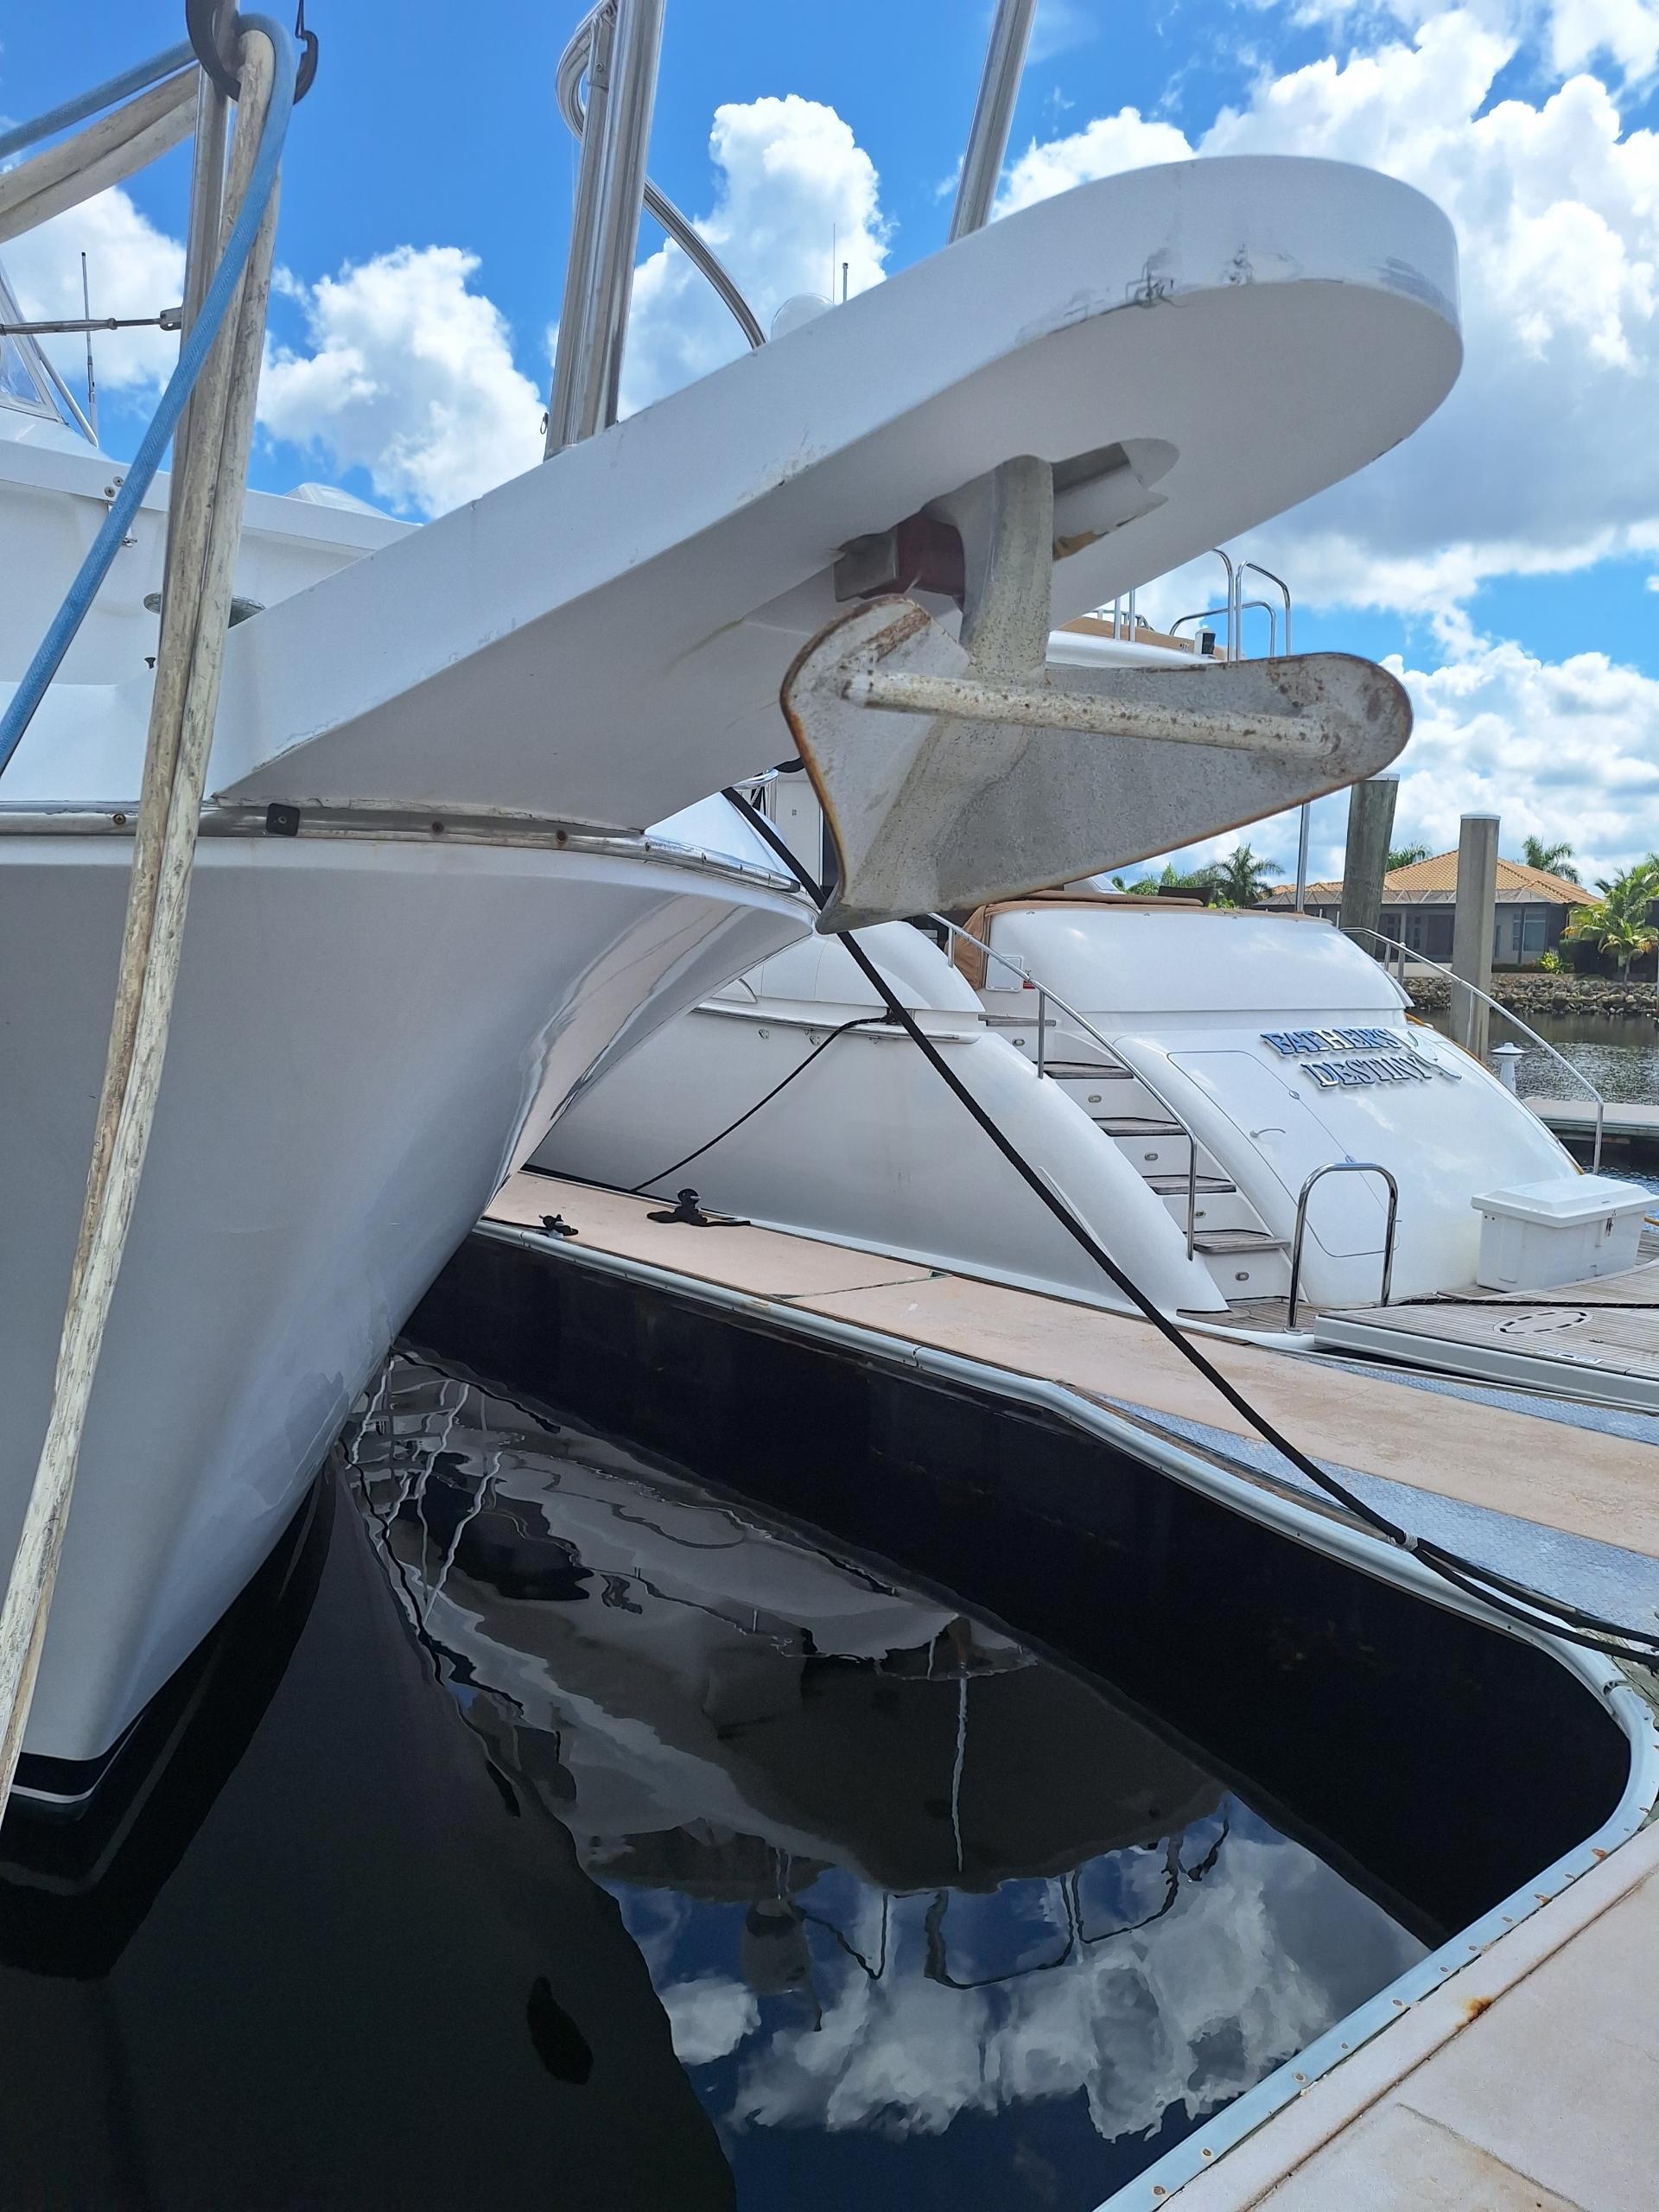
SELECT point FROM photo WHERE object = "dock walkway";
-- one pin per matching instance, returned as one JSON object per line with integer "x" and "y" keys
{"x": 1576, "y": 1117}
{"x": 1466, "y": 1449}
{"x": 1529, "y": 2081}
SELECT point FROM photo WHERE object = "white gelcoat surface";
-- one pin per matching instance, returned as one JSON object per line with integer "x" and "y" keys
{"x": 1185, "y": 997}
{"x": 649, "y": 587}
{"x": 54, "y": 503}
{"x": 340, "y": 1099}
{"x": 599, "y": 640}
{"x": 868, "y": 1147}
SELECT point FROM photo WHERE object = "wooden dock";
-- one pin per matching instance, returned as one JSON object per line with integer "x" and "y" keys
{"x": 1599, "y": 1339}
{"x": 1603, "y": 1488}
{"x": 1622, "y": 1123}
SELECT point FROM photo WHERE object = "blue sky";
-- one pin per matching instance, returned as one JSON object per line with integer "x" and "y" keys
{"x": 1504, "y": 555}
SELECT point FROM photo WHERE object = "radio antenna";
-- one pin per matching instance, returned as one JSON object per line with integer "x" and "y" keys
{"x": 91, "y": 382}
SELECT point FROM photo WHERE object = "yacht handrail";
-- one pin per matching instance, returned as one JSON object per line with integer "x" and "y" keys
{"x": 1199, "y": 614}
{"x": 568, "y": 91}
{"x": 1305, "y": 821}
{"x": 1239, "y": 608}
{"x": 1514, "y": 1019}
{"x": 624, "y": 39}
{"x": 1342, "y": 1167}
{"x": 1045, "y": 994}
{"x": 988, "y": 135}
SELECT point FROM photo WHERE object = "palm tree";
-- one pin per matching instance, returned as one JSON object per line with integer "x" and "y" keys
{"x": 1618, "y": 923}
{"x": 1241, "y": 879}
{"x": 1197, "y": 881}
{"x": 1554, "y": 860}
{"x": 1406, "y": 856}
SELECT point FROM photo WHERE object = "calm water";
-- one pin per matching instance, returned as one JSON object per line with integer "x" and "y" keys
{"x": 544, "y": 1829}
{"x": 932, "y": 1922}
{"x": 1619, "y": 1056}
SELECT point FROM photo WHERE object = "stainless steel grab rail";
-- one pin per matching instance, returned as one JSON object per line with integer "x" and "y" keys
{"x": 1342, "y": 1167}
{"x": 1514, "y": 1019}
{"x": 1044, "y": 996}
{"x": 616, "y": 45}
{"x": 568, "y": 91}
{"x": 987, "y": 136}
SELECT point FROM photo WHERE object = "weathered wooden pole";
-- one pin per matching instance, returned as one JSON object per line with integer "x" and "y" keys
{"x": 1472, "y": 931}
{"x": 1371, "y": 824}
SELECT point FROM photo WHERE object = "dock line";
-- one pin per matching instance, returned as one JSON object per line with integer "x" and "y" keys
{"x": 1532, "y": 1608}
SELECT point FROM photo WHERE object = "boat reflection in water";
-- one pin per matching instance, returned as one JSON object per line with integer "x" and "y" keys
{"x": 927, "y": 1913}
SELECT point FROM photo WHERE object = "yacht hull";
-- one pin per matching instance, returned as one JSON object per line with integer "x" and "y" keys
{"x": 370, "y": 1032}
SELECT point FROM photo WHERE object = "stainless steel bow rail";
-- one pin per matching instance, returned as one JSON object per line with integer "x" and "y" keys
{"x": 1394, "y": 944}
{"x": 615, "y": 50}
{"x": 1045, "y": 997}
{"x": 1341, "y": 1168}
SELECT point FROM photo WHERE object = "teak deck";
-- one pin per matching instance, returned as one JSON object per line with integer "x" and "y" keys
{"x": 1581, "y": 1481}
{"x": 1608, "y": 1325}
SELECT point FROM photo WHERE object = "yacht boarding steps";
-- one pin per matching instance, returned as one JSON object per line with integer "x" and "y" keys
{"x": 1519, "y": 2077}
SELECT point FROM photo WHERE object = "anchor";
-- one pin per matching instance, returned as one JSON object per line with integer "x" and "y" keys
{"x": 953, "y": 770}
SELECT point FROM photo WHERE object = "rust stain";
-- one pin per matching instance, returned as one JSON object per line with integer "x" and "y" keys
{"x": 1474, "y": 2007}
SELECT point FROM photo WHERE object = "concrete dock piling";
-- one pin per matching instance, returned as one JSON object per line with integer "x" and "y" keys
{"x": 1371, "y": 824}
{"x": 1472, "y": 928}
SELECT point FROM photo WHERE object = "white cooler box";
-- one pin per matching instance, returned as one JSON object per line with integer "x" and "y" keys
{"x": 1564, "y": 1230}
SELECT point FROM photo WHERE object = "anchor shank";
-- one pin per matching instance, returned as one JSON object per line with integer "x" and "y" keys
{"x": 1092, "y": 714}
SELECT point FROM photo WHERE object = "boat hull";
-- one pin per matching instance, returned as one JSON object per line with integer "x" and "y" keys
{"x": 370, "y": 1032}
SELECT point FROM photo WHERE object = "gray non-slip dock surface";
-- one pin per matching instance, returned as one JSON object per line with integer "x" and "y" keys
{"x": 1607, "y": 1578}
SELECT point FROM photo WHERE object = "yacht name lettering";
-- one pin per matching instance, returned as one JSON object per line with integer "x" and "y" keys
{"x": 1289, "y": 1042}
{"x": 1387, "y": 1060}
{"x": 1390, "y": 1067}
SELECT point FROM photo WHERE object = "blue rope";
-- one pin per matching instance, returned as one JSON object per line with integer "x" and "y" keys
{"x": 141, "y": 471}
{"x": 136, "y": 79}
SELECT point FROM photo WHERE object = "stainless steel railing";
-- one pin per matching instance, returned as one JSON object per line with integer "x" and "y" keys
{"x": 987, "y": 136}
{"x": 621, "y": 42}
{"x": 1341, "y": 1168}
{"x": 616, "y": 46}
{"x": 1235, "y": 610}
{"x": 1514, "y": 1019}
{"x": 1045, "y": 996}
{"x": 574, "y": 63}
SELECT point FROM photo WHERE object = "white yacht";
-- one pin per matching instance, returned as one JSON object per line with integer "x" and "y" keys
{"x": 1241, "y": 1104}
{"x": 426, "y": 915}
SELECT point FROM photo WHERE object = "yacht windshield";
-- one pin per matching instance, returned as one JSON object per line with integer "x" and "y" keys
{"x": 26, "y": 378}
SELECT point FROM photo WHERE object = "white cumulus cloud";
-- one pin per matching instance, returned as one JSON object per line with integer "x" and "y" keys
{"x": 411, "y": 377}
{"x": 132, "y": 269}
{"x": 708, "y": 2017}
{"x": 1532, "y": 465}
{"x": 1625, "y": 31}
{"x": 1556, "y": 748}
{"x": 796, "y": 196}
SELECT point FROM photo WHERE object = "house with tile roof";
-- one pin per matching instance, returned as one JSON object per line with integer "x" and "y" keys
{"x": 1532, "y": 908}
